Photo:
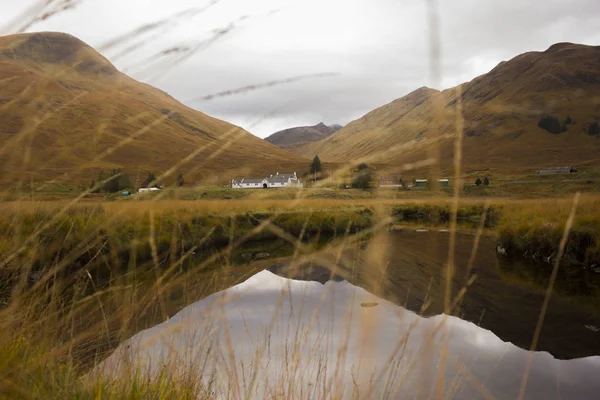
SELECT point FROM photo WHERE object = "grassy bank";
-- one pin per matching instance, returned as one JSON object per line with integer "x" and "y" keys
{"x": 533, "y": 232}
{"x": 107, "y": 239}
{"x": 80, "y": 280}
{"x": 535, "y": 229}
{"x": 77, "y": 280}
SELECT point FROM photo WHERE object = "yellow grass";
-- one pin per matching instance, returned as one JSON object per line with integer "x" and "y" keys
{"x": 80, "y": 276}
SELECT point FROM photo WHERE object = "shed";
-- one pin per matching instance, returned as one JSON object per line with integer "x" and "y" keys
{"x": 556, "y": 170}
{"x": 390, "y": 182}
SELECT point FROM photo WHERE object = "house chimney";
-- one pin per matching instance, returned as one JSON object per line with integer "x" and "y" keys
{"x": 278, "y": 173}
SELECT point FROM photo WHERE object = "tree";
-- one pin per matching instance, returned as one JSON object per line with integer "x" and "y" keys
{"x": 478, "y": 182}
{"x": 486, "y": 181}
{"x": 124, "y": 182}
{"x": 101, "y": 184}
{"x": 180, "y": 180}
{"x": 112, "y": 185}
{"x": 594, "y": 129}
{"x": 315, "y": 165}
{"x": 568, "y": 121}
{"x": 149, "y": 179}
{"x": 99, "y": 180}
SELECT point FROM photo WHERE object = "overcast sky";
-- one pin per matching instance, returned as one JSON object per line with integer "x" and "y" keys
{"x": 378, "y": 49}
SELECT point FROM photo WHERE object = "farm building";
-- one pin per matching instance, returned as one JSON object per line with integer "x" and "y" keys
{"x": 420, "y": 183}
{"x": 444, "y": 182}
{"x": 390, "y": 182}
{"x": 274, "y": 181}
{"x": 556, "y": 170}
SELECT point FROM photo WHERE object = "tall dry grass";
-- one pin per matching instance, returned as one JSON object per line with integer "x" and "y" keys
{"x": 78, "y": 279}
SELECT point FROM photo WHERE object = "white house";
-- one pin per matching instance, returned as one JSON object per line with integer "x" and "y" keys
{"x": 274, "y": 181}
{"x": 284, "y": 180}
{"x": 250, "y": 183}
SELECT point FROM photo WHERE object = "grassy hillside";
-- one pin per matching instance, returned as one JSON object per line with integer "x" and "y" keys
{"x": 293, "y": 137}
{"x": 67, "y": 112}
{"x": 501, "y": 111}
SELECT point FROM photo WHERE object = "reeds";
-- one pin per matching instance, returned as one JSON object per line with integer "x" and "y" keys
{"x": 79, "y": 277}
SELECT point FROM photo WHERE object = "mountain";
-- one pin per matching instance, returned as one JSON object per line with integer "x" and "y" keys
{"x": 66, "y": 112}
{"x": 501, "y": 113}
{"x": 292, "y": 137}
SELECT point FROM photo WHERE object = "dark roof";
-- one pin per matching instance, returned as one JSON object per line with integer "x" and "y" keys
{"x": 252, "y": 180}
{"x": 280, "y": 178}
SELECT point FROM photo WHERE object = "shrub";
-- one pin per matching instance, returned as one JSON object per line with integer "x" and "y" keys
{"x": 486, "y": 181}
{"x": 362, "y": 178}
{"x": 551, "y": 124}
{"x": 478, "y": 182}
{"x": 594, "y": 129}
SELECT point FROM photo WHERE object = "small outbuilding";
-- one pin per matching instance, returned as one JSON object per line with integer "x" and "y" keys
{"x": 556, "y": 171}
{"x": 420, "y": 183}
{"x": 390, "y": 182}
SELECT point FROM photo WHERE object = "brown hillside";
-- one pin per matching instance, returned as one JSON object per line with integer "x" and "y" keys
{"x": 66, "y": 111}
{"x": 292, "y": 137}
{"x": 501, "y": 111}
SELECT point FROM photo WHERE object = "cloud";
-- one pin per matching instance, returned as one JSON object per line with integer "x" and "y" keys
{"x": 378, "y": 48}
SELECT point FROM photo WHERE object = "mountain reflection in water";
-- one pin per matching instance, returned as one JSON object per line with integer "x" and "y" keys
{"x": 274, "y": 336}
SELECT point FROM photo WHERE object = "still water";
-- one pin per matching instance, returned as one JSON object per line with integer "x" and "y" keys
{"x": 365, "y": 333}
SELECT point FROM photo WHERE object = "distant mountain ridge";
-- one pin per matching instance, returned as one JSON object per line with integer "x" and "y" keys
{"x": 501, "y": 111}
{"x": 292, "y": 137}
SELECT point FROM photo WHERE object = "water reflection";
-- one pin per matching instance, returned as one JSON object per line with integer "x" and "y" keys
{"x": 416, "y": 271}
{"x": 271, "y": 337}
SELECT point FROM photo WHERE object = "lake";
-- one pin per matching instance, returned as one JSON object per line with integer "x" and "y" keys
{"x": 375, "y": 328}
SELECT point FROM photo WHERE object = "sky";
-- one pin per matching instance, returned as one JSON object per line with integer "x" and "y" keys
{"x": 346, "y": 57}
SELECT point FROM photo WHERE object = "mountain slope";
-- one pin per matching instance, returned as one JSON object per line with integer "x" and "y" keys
{"x": 501, "y": 110}
{"x": 65, "y": 110}
{"x": 292, "y": 137}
